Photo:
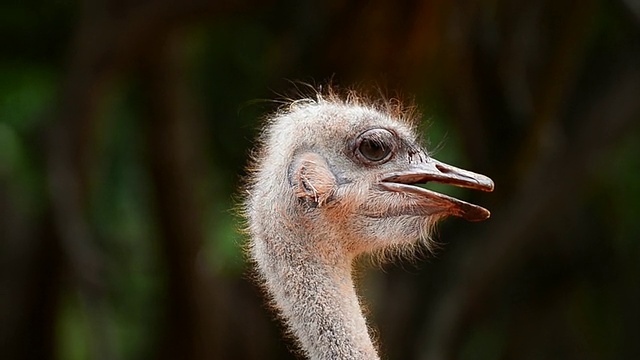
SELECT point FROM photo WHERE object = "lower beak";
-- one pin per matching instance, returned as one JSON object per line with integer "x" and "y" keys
{"x": 433, "y": 170}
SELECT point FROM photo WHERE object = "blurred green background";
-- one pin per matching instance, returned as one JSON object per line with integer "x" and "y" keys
{"x": 125, "y": 126}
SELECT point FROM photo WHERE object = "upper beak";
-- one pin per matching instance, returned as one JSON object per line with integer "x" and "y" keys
{"x": 437, "y": 171}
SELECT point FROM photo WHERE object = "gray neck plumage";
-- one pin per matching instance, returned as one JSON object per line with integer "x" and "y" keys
{"x": 318, "y": 300}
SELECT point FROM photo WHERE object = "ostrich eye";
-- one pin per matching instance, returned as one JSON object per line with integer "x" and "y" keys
{"x": 373, "y": 150}
{"x": 374, "y": 146}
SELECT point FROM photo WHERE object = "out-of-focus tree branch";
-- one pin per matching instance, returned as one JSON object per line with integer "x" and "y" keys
{"x": 634, "y": 8}
{"x": 111, "y": 37}
{"x": 175, "y": 149}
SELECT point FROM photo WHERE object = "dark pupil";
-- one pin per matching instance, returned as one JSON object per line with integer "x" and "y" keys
{"x": 373, "y": 150}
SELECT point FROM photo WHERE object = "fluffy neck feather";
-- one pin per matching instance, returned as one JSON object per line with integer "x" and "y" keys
{"x": 316, "y": 296}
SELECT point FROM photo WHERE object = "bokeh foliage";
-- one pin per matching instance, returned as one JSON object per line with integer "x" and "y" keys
{"x": 125, "y": 127}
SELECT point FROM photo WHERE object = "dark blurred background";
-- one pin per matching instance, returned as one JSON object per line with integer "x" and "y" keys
{"x": 125, "y": 126}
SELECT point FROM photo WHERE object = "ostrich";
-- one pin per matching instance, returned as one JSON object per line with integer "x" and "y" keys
{"x": 333, "y": 178}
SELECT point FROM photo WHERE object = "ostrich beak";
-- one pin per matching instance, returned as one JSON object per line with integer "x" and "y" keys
{"x": 436, "y": 171}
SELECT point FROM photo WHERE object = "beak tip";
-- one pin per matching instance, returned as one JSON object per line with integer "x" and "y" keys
{"x": 480, "y": 214}
{"x": 486, "y": 184}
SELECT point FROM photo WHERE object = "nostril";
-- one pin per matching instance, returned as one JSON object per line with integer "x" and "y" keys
{"x": 443, "y": 169}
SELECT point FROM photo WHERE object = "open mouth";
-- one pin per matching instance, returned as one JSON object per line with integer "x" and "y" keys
{"x": 435, "y": 171}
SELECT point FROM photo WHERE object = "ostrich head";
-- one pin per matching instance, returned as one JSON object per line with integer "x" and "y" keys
{"x": 348, "y": 170}
{"x": 334, "y": 179}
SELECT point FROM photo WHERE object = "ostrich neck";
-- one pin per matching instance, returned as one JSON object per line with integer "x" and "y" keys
{"x": 319, "y": 302}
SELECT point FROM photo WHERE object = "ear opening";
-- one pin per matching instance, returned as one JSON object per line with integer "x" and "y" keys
{"x": 311, "y": 179}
